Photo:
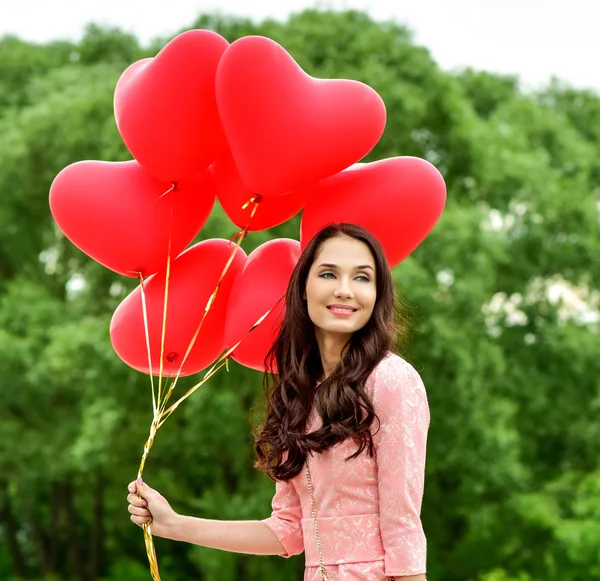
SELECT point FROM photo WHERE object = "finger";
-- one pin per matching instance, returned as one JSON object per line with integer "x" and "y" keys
{"x": 137, "y": 500}
{"x": 138, "y": 511}
{"x": 140, "y": 520}
{"x": 144, "y": 490}
{"x": 132, "y": 487}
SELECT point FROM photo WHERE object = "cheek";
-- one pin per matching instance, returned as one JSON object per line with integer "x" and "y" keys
{"x": 316, "y": 290}
{"x": 371, "y": 309}
{"x": 312, "y": 297}
{"x": 310, "y": 292}
{"x": 369, "y": 296}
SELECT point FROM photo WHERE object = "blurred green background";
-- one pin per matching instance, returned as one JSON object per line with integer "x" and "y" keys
{"x": 503, "y": 300}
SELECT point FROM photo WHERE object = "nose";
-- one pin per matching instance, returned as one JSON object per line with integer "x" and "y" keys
{"x": 343, "y": 289}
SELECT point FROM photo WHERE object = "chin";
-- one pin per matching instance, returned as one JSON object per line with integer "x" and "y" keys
{"x": 340, "y": 329}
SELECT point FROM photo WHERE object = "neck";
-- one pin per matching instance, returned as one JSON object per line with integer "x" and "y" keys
{"x": 330, "y": 348}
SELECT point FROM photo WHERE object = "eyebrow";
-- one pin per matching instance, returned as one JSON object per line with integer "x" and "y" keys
{"x": 360, "y": 267}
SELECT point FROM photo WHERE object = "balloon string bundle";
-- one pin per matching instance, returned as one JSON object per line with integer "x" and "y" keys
{"x": 160, "y": 399}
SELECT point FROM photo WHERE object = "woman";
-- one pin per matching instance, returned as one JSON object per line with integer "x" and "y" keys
{"x": 358, "y": 412}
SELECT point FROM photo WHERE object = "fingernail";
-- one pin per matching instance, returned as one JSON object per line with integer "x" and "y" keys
{"x": 145, "y": 504}
{"x": 139, "y": 480}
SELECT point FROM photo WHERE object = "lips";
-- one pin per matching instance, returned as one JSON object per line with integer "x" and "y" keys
{"x": 342, "y": 309}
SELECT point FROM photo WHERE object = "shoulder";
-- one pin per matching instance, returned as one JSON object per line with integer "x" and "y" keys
{"x": 393, "y": 367}
{"x": 393, "y": 373}
{"x": 396, "y": 389}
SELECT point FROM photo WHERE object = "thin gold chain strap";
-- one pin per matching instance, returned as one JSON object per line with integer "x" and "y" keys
{"x": 321, "y": 570}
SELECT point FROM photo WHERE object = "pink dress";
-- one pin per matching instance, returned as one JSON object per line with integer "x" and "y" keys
{"x": 368, "y": 508}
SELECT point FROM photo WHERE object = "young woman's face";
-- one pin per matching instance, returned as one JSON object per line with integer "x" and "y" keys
{"x": 340, "y": 287}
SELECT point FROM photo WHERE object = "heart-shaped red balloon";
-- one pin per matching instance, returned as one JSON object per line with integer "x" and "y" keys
{"x": 399, "y": 200}
{"x": 166, "y": 109}
{"x": 257, "y": 290}
{"x": 286, "y": 129}
{"x": 233, "y": 195}
{"x": 116, "y": 213}
{"x": 193, "y": 278}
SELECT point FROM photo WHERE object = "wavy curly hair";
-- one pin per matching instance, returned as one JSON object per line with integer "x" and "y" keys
{"x": 341, "y": 399}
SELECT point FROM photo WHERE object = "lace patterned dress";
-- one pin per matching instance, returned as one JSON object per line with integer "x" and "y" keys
{"x": 368, "y": 508}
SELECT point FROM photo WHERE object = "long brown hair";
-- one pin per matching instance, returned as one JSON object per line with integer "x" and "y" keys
{"x": 341, "y": 399}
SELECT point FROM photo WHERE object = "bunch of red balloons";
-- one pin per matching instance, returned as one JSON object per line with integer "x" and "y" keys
{"x": 240, "y": 122}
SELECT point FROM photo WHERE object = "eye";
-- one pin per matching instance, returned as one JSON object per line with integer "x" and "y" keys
{"x": 363, "y": 278}
{"x": 327, "y": 274}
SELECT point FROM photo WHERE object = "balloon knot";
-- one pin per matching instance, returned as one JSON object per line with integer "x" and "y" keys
{"x": 171, "y": 357}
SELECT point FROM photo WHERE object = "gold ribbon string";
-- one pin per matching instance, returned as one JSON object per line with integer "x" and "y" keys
{"x": 147, "y": 335}
{"x": 172, "y": 188}
{"x": 148, "y": 541}
{"x": 207, "y": 308}
{"x": 256, "y": 199}
{"x": 146, "y": 527}
{"x": 164, "y": 414}
{"x": 238, "y": 238}
{"x": 159, "y": 414}
{"x": 219, "y": 363}
{"x": 164, "y": 321}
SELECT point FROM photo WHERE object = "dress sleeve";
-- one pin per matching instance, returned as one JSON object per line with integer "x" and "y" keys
{"x": 286, "y": 518}
{"x": 400, "y": 402}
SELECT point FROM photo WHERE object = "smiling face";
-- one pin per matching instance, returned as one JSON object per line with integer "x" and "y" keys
{"x": 340, "y": 287}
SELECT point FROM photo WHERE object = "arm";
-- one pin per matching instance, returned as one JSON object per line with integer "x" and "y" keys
{"x": 250, "y": 537}
{"x": 280, "y": 534}
{"x": 400, "y": 403}
{"x": 285, "y": 521}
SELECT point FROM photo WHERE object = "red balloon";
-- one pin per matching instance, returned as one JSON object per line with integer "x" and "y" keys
{"x": 233, "y": 195}
{"x": 258, "y": 288}
{"x": 116, "y": 213}
{"x": 399, "y": 200}
{"x": 166, "y": 109}
{"x": 286, "y": 129}
{"x": 193, "y": 278}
